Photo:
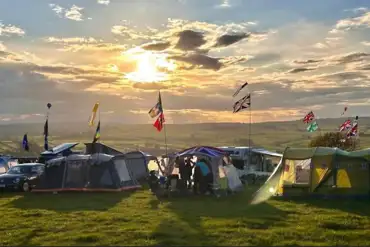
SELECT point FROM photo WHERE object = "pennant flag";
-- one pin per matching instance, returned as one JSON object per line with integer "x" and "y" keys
{"x": 345, "y": 109}
{"x": 93, "y": 115}
{"x": 345, "y": 126}
{"x": 309, "y": 117}
{"x": 25, "y": 143}
{"x": 238, "y": 91}
{"x": 353, "y": 131}
{"x": 97, "y": 133}
{"x": 312, "y": 127}
{"x": 157, "y": 109}
{"x": 46, "y": 134}
{"x": 242, "y": 104}
{"x": 158, "y": 124}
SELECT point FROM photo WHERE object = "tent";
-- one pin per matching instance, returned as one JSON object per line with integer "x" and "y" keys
{"x": 137, "y": 162}
{"x": 320, "y": 171}
{"x": 95, "y": 172}
{"x": 214, "y": 155}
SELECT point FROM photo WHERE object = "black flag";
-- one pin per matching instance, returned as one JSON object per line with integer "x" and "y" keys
{"x": 46, "y": 134}
{"x": 237, "y": 91}
{"x": 25, "y": 143}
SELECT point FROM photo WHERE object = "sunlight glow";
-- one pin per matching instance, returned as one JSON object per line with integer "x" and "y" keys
{"x": 150, "y": 67}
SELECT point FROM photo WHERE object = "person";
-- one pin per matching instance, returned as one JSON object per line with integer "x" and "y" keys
{"x": 180, "y": 163}
{"x": 205, "y": 174}
{"x": 187, "y": 172}
{"x": 197, "y": 179}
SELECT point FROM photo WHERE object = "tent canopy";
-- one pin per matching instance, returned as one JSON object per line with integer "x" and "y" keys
{"x": 202, "y": 150}
{"x": 60, "y": 148}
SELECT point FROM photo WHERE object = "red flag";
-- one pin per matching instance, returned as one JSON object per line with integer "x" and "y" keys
{"x": 158, "y": 124}
{"x": 353, "y": 131}
{"x": 309, "y": 117}
{"x": 346, "y": 125}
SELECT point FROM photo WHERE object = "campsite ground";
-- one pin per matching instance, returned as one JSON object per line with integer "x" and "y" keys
{"x": 138, "y": 218}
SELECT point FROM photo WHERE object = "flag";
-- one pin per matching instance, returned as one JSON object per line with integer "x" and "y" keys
{"x": 157, "y": 109}
{"x": 242, "y": 104}
{"x": 25, "y": 143}
{"x": 46, "y": 134}
{"x": 237, "y": 91}
{"x": 345, "y": 126}
{"x": 93, "y": 115}
{"x": 309, "y": 117}
{"x": 345, "y": 109}
{"x": 353, "y": 131}
{"x": 97, "y": 133}
{"x": 158, "y": 124}
{"x": 312, "y": 127}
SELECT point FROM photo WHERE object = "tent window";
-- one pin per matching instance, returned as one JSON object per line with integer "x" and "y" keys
{"x": 106, "y": 179}
{"x": 122, "y": 171}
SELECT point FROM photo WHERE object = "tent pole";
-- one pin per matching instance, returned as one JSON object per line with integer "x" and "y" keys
{"x": 164, "y": 125}
{"x": 250, "y": 130}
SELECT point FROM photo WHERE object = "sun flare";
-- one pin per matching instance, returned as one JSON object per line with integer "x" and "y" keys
{"x": 150, "y": 67}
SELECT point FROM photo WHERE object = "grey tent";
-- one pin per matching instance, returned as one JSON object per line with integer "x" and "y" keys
{"x": 94, "y": 172}
{"x": 137, "y": 162}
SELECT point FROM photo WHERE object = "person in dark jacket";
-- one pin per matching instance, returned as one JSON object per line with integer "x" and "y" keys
{"x": 187, "y": 172}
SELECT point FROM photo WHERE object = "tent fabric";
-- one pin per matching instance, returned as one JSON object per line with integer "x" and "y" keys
{"x": 205, "y": 150}
{"x": 138, "y": 163}
{"x": 60, "y": 148}
{"x": 97, "y": 172}
{"x": 331, "y": 171}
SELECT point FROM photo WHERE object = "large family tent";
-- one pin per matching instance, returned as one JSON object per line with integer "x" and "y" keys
{"x": 137, "y": 162}
{"x": 320, "y": 171}
{"x": 95, "y": 172}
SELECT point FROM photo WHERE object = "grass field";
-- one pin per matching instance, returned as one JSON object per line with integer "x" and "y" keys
{"x": 138, "y": 218}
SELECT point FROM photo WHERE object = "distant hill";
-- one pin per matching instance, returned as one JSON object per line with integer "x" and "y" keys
{"x": 271, "y": 135}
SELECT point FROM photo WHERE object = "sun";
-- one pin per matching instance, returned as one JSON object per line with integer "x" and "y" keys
{"x": 150, "y": 67}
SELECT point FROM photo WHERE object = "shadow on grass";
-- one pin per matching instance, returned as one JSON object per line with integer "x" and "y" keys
{"x": 70, "y": 201}
{"x": 225, "y": 215}
{"x": 352, "y": 206}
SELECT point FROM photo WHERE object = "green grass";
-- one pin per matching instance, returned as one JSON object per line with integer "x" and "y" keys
{"x": 138, "y": 218}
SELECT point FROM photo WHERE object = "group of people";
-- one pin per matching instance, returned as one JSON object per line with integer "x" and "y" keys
{"x": 201, "y": 171}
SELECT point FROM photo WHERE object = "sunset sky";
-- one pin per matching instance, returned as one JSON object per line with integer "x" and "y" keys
{"x": 296, "y": 55}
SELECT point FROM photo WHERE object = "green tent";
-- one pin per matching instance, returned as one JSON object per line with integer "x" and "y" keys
{"x": 320, "y": 171}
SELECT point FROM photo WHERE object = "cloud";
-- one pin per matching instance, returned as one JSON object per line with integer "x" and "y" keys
{"x": 8, "y": 30}
{"x": 106, "y": 2}
{"x": 74, "y": 13}
{"x": 2, "y": 47}
{"x": 224, "y": 4}
{"x": 190, "y": 40}
{"x": 199, "y": 60}
{"x": 156, "y": 46}
{"x": 229, "y": 39}
{"x": 355, "y": 22}
{"x": 299, "y": 70}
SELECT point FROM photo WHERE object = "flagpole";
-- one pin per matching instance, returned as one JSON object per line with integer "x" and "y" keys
{"x": 250, "y": 129}
{"x": 164, "y": 126}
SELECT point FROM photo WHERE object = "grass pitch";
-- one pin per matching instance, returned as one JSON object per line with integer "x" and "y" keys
{"x": 138, "y": 218}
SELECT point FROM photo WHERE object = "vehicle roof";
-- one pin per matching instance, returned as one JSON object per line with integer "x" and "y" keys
{"x": 30, "y": 164}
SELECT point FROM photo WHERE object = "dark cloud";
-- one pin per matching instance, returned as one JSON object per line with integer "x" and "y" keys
{"x": 190, "y": 40}
{"x": 299, "y": 70}
{"x": 309, "y": 61}
{"x": 354, "y": 57}
{"x": 342, "y": 76}
{"x": 200, "y": 60}
{"x": 160, "y": 46}
{"x": 229, "y": 39}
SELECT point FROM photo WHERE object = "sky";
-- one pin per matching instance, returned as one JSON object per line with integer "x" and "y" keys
{"x": 297, "y": 56}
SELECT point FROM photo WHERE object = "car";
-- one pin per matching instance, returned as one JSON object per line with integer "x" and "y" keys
{"x": 22, "y": 177}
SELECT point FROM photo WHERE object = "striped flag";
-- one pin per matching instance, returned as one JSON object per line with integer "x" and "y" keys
{"x": 158, "y": 124}
{"x": 97, "y": 133}
{"x": 309, "y": 117}
{"x": 157, "y": 109}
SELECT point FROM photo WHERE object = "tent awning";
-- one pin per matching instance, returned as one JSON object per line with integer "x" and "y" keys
{"x": 60, "y": 148}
